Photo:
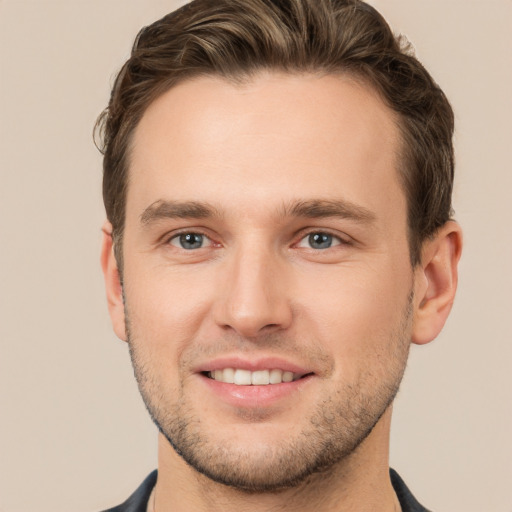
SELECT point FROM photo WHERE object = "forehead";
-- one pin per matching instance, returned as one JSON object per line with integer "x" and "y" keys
{"x": 275, "y": 138}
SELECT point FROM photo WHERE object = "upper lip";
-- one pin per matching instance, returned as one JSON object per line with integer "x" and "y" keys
{"x": 252, "y": 364}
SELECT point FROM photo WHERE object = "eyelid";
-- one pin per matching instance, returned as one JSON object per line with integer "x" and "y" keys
{"x": 341, "y": 238}
{"x": 205, "y": 241}
{"x": 169, "y": 237}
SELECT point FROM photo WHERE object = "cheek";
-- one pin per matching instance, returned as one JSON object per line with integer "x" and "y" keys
{"x": 164, "y": 308}
{"x": 357, "y": 314}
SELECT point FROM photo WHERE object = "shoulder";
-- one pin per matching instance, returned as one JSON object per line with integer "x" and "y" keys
{"x": 407, "y": 501}
{"x": 138, "y": 501}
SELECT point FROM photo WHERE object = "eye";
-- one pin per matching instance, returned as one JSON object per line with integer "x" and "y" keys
{"x": 190, "y": 241}
{"x": 319, "y": 240}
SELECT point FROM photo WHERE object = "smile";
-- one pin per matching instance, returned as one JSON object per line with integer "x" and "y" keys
{"x": 253, "y": 378}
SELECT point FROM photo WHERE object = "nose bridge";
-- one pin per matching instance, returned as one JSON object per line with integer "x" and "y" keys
{"x": 255, "y": 296}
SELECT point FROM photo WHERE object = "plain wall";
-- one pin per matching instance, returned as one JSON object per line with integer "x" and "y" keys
{"x": 74, "y": 434}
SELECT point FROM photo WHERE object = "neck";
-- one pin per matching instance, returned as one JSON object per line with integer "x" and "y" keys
{"x": 358, "y": 483}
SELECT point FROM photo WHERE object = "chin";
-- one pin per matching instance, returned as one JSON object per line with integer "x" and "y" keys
{"x": 261, "y": 458}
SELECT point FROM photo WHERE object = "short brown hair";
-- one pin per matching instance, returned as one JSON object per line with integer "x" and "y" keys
{"x": 236, "y": 38}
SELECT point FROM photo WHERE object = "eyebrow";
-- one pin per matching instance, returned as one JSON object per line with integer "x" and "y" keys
{"x": 322, "y": 208}
{"x": 311, "y": 209}
{"x": 163, "y": 209}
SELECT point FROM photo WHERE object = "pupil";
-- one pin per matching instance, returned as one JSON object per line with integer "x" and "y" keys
{"x": 320, "y": 240}
{"x": 191, "y": 241}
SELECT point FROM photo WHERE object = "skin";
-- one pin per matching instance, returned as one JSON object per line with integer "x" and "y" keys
{"x": 250, "y": 157}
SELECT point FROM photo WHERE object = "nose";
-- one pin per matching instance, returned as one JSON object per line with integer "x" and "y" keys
{"x": 254, "y": 299}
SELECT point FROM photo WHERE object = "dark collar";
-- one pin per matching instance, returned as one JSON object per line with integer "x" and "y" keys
{"x": 138, "y": 501}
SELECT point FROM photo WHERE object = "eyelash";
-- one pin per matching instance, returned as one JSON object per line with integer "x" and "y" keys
{"x": 304, "y": 235}
{"x": 176, "y": 236}
{"x": 336, "y": 239}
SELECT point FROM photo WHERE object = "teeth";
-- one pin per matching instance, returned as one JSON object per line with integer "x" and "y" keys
{"x": 256, "y": 378}
{"x": 287, "y": 376}
{"x": 242, "y": 377}
{"x": 276, "y": 376}
{"x": 260, "y": 378}
{"x": 227, "y": 375}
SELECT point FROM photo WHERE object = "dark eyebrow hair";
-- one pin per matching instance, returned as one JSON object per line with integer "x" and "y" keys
{"x": 163, "y": 209}
{"x": 311, "y": 209}
{"x": 321, "y": 208}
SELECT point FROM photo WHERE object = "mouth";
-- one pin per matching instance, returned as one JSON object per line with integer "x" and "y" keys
{"x": 243, "y": 377}
{"x": 255, "y": 383}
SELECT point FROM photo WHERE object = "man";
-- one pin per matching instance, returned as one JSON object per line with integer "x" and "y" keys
{"x": 277, "y": 181}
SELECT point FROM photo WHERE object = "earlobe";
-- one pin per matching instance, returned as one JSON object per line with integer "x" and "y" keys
{"x": 436, "y": 282}
{"x": 113, "y": 286}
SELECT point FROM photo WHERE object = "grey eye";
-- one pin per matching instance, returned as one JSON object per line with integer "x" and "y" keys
{"x": 320, "y": 240}
{"x": 188, "y": 241}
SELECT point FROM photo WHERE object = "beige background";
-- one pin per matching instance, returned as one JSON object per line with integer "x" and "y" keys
{"x": 74, "y": 435}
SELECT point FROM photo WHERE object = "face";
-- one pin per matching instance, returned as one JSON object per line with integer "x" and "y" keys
{"x": 267, "y": 280}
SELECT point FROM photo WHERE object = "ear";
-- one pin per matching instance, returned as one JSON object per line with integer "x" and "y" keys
{"x": 112, "y": 283}
{"x": 436, "y": 282}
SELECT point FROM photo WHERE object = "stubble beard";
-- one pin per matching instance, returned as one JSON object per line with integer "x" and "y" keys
{"x": 334, "y": 430}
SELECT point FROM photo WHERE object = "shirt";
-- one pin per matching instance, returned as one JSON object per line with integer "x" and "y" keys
{"x": 138, "y": 501}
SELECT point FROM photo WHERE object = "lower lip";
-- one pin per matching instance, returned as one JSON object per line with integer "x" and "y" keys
{"x": 254, "y": 396}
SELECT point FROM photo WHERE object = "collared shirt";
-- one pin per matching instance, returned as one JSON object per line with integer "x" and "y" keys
{"x": 138, "y": 501}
